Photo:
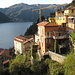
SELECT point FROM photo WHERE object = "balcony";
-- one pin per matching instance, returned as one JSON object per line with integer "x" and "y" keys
{"x": 60, "y": 37}
{"x": 48, "y": 36}
{"x": 71, "y": 21}
{"x": 62, "y": 46}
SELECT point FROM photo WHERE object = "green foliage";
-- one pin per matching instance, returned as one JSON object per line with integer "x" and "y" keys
{"x": 34, "y": 48}
{"x": 72, "y": 3}
{"x": 12, "y": 53}
{"x": 55, "y": 45}
{"x": 34, "y": 52}
{"x": 4, "y": 71}
{"x": 42, "y": 19}
{"x": 21, "y": 70}
{"x": 54, "y": 68}
{"x": 69, "y": 65}
{"x": 72, "y": 34}
{"x": 21, "y": 62}
{"x": 35, "y": 56}
{"x": 39, "y": 68}
{"x": 31, "y": 30}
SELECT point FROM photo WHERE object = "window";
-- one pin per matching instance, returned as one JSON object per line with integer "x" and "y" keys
{"x": 47, "y": 40}
{"x": 48, "y": 34}
{"x": 72, "y": 11}
{"x": 71, "y": 25}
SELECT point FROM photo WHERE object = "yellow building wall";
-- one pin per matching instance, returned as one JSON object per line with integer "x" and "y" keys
{"x": 71, "y": 26}
{"x": 61, "y": 17}
{"x": 61, "y": 20}
{"x": 68, "y": 12}
{"x": 58, "y": 12}
{"x": 51, "y": 19}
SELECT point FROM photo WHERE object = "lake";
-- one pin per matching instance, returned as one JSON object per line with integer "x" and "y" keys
{"x": 9, "y": 30}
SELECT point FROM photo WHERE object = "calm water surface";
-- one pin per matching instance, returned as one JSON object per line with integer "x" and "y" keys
{"x": 9, "y": 30}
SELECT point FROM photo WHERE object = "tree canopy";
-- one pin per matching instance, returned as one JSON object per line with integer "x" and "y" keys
{"x": 32, "y": 29}
{"x": 72, "y": 3}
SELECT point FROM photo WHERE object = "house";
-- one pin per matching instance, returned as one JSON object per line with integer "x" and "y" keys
{"x": 51, "y": 18}
{"x": 48, "y": 33}
{"x": 4, "y": 57}
{"x": 22, "y": 44}
{"x": 71, "y": 23}
{"x": 61, "y": 17}
{"x": 66, "y": 15}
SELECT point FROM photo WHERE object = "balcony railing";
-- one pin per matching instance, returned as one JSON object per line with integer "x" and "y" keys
{"x": 60, "y": 37}
{"x": 48, "y": 36}
{"x": 71, "y": 21}
{"x": 62, "y": 46}
{"x": 58, "y": 15}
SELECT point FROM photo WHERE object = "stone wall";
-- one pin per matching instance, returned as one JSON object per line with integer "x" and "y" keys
{"x": 56, "y": 57}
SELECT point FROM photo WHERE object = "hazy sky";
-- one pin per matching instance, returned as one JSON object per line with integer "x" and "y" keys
{"x": 7, "y": 3}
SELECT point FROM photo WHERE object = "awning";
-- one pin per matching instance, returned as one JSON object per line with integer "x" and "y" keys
{"x": 71, "y": 17}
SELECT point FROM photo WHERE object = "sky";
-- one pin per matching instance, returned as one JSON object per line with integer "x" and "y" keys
{"x": 7, "y": 3}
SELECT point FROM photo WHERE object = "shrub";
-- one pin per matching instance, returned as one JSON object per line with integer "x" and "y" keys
{"x": 69, "y": 65}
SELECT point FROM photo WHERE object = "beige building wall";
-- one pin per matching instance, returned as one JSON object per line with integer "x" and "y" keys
{"x": 18, "y": 47}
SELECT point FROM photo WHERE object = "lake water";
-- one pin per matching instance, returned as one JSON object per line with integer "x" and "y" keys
{"x": 9, "y": 30}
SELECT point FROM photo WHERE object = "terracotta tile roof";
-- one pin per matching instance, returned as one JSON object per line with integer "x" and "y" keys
{"x": 28, "y": 40}
{"x": 47, "y": 24}
{"x": 1, "y": 49}
{"x": 5, "y": 53}
{"x": 42, "y": 23}
{"x": 72, "y": 15}
{"x": 70, "y": 7}
{"x": 20, "y": 39}
{"x": 6, "y": 61}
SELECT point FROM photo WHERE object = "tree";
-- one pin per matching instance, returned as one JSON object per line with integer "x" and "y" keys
{"x": 21, "y": 64}
{"x": 31, "y": 30}
{"x": 72, "y": 3}
{"x": 39, "y": 68}
{"x": 42, "y": 19}
{"x": 69, "y": 65}
{"x": 55, "y": 45}
{"x": 54, "y": 68}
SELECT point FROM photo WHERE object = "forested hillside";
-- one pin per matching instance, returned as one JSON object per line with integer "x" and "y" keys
{"x": 4, "y": 18}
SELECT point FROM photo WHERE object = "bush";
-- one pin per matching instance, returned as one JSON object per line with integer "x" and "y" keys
{"x": 69, "y": 65}
{"x": 55, "y": 68}
{"x": 72, "y": 34}
{"x": 72, "y": 3}
{"x": 31, "y": 30}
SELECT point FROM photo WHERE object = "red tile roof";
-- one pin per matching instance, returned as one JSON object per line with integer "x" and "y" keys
{"x": 21, "y": 41}
{"x": 1, "y": 49}
{"x": 70, "y": 7}
{"x": 5, "y": 53}
{"x": 28, "y": 40}
{"x": 6, "y": 61}
{"x": 47, "y": 24}
{"x": 21, "y": 38}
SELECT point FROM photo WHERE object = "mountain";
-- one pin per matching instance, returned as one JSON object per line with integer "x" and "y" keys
{"x": 24, "y": 12}
{"x": 4, "y": 18}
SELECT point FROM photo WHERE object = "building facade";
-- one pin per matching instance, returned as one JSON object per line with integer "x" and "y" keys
{"x": 66, "y": 15}
{"x": 47, "y": 33}
{"x": 22, "y": 44}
